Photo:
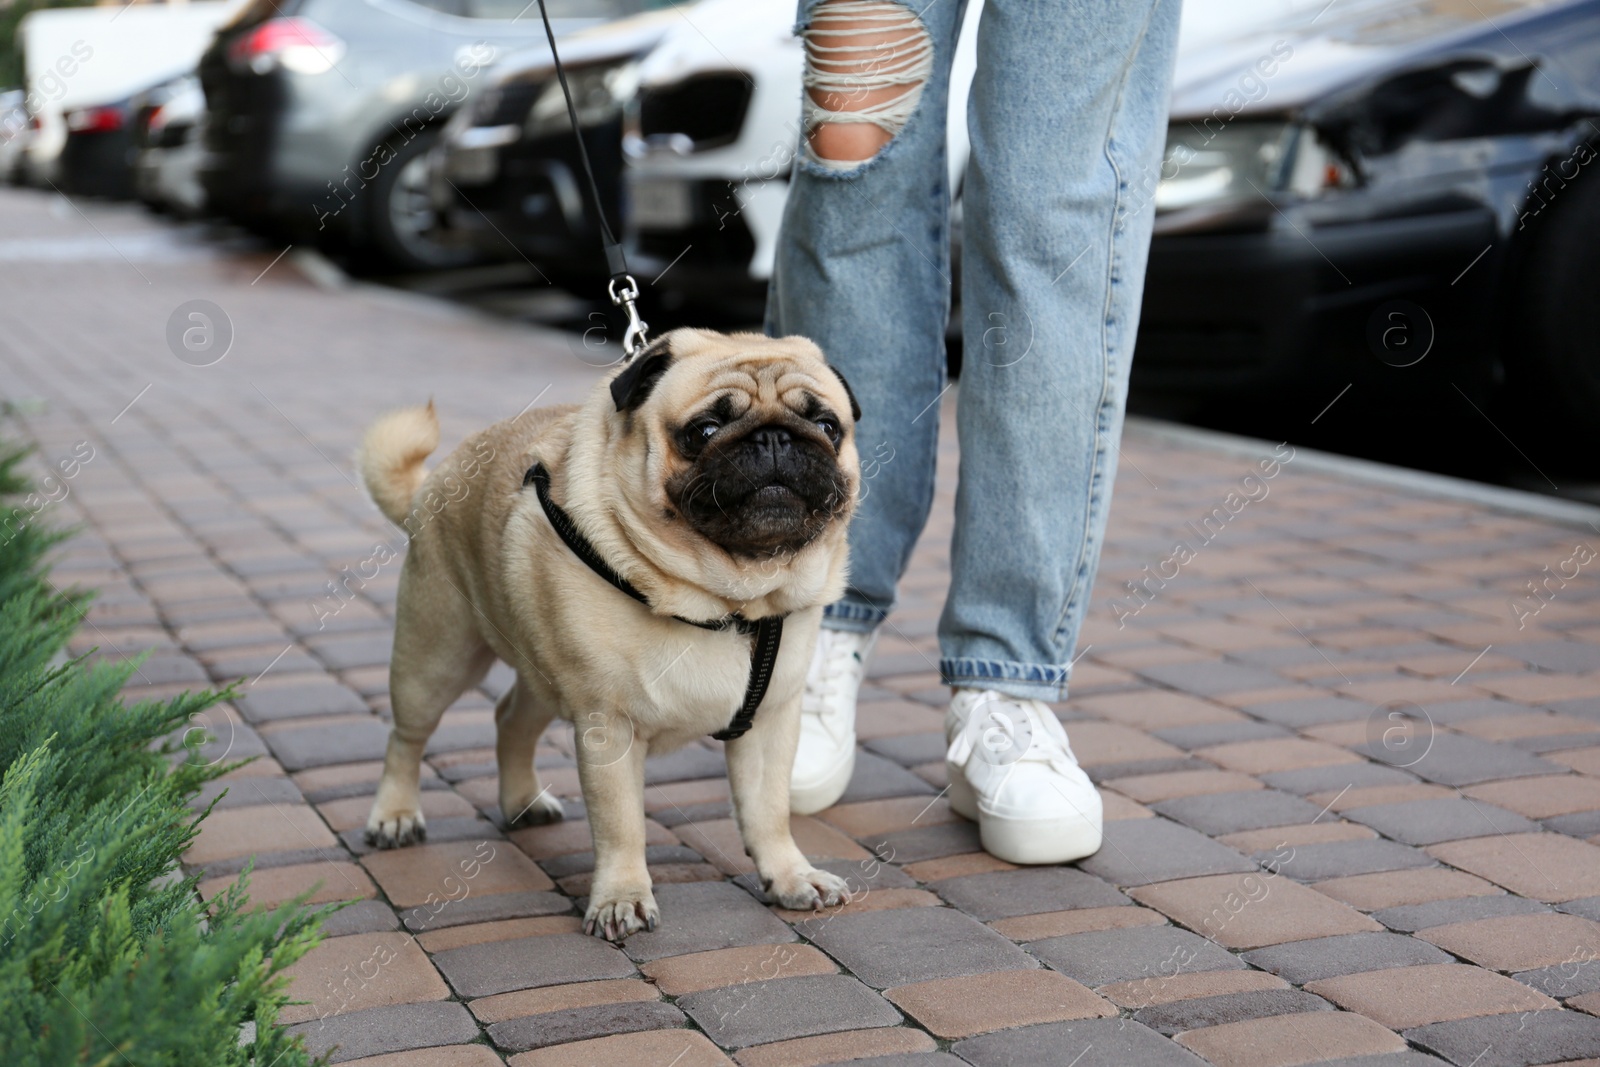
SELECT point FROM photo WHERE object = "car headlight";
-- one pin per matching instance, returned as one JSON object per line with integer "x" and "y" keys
{"x": 1212, "y": 165}
{"x": 598, "y": 95}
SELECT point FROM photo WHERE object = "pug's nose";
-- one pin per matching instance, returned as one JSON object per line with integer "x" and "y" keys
{"x": 771, "y": 439}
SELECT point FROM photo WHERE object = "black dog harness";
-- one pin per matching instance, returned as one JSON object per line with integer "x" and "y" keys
{"x": 768, "y": 632}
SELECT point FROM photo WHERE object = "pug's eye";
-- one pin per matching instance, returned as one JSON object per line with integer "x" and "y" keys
{"x": 830, "y": 427}
{"x": 694, "y": 437}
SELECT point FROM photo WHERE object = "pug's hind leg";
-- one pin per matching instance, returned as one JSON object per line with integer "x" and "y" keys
{"x": 437, "y": 657}
{"x": 520, "y": 721}
{"x": 759, "y": 765}
{"x": 611, "y": 768}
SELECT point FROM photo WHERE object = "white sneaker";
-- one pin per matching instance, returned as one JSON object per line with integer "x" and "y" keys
{"x": 826, "y": 757}
{"x": 1012, "y": 771}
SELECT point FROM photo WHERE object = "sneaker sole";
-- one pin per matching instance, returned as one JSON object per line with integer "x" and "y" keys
{"x": 1025, "y": 842}
{"x": 825, "y": 794}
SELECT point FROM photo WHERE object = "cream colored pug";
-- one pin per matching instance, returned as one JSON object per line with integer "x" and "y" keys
{"x": 621, "y": 556}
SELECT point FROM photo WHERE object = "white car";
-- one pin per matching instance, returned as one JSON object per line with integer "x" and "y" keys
{"x": 84, "y": 56}
{"x": 166, "y": 173}
{"x": 711, "y": 136}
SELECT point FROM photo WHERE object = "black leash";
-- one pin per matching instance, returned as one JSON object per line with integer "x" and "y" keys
{"x": 633, "y": 338}
{"x": 768, "y": 632}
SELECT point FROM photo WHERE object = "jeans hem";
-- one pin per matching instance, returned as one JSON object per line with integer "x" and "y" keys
{"x": 852, "y": 617}
{"x": 1026, "y": 681}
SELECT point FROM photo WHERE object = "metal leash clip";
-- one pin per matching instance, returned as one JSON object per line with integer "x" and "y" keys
{"x": 633, "y": 338}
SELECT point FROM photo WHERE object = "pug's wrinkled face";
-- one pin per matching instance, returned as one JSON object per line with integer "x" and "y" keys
{"x": 750, "y": 439}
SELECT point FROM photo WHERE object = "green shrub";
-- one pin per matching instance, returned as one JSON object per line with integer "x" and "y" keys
{"x": 107, "y": 957}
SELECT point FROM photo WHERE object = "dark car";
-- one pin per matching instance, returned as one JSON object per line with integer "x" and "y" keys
{"x": 1397, "y": 195}
{"x": 507, "y": 178}
{"x": 97, "y": 157}
{"x": 321, "y": 112}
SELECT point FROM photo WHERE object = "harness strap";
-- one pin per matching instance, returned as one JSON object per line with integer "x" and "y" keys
{"x": 768, "y": 632}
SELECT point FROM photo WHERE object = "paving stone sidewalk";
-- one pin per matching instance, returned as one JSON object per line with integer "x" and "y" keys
{"x": 1350, "y": 756}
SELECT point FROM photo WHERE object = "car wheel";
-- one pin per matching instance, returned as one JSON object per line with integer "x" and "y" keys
{"x": 1554, "y": 343}
{"x": 404, "y": 229}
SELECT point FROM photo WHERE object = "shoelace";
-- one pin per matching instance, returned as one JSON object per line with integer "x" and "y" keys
{"x": 820, "y": 693}
{"x": 1045, "y": 741}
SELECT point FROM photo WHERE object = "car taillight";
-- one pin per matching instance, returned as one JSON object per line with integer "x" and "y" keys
{"x": 94, "y": 120}
{"x": 295, "y": 44}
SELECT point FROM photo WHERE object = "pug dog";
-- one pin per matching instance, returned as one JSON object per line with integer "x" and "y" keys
{"x": 715, "y": 475}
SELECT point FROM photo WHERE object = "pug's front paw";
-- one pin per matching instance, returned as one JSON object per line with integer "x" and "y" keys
{"x": 616, "y": 914}
{"x": 395, "y": 828}
{"x": 808, "y": 890}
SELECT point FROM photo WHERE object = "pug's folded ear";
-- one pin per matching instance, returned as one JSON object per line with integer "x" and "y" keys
{"x": 631, "y": 388}
{"x": 855, "y": 408}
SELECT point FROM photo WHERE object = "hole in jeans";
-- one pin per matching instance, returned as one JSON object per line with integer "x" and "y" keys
{"x": 866, "y": 64}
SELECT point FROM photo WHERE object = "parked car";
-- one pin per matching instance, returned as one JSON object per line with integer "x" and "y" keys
{"x": 1340, "y": 182}
{"x": 1394, "y": 194}
{"x": 322, "y": 112}
{"x": 14, "y": 129}
{"x": 97, "y": 158}
{"x": 711, "y": 136}
{"x": 506, "y": 177}
{"x": 167, "y": 132}
{"x": 77, "y": 58}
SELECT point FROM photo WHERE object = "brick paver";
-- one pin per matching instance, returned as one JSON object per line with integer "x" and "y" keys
{"x": 1350, "y": 749}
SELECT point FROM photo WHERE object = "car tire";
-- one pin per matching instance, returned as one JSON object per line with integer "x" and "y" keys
{"x": 402, "y": 228}
{"x": 1551, "y": 355}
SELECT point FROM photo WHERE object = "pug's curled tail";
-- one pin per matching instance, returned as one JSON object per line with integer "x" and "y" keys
{"x": 391, "y": 458}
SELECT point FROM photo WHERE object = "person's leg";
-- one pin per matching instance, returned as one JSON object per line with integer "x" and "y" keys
{"x": 1067, "y": 114}
{"x": 863, "y": 263}
{"x": 1068, "y": 111}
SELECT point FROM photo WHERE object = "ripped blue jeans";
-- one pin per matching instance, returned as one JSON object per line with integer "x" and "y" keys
{"x": 1067, "y": 117}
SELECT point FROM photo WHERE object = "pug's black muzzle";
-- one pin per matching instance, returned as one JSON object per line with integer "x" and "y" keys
{"x": 771, "y": 490}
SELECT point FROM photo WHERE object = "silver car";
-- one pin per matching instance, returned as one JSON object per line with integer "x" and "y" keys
{"x": 321, "y": 112}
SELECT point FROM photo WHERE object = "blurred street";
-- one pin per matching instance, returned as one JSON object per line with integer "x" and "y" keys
{"x": 1349, "y": 740}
